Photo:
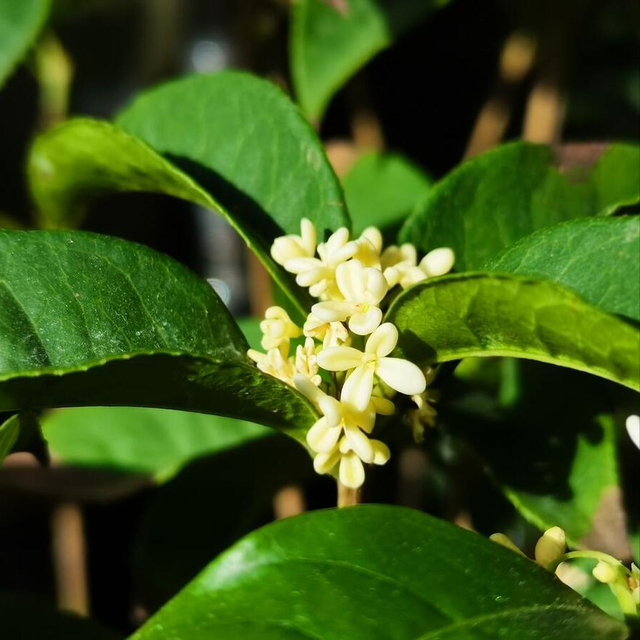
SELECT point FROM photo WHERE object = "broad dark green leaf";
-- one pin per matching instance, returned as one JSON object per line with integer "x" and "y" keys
{"x": 547, "y": 437}
{"x": 157, "y": 442}
{"x": 495, "y": 199}
{"x": 327, "y": 46}
{"x": 599, "y": 258}
{"x": 25, "y": 617}
{"x": 20, "y": 23}
{"x": 375, "y": 572}
{"x": 382, "y": 189}
{"x": 207, "y": 507}
{"x": 88, "y": 320}
{"x": 468, "y": 315}
{"x": 230, "y": 142}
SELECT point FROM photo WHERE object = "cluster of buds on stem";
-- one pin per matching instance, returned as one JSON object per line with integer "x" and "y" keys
{"x": 345, "y": 367}
{"x": 551, "y": 552}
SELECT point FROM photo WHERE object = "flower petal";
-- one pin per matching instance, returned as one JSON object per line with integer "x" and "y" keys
{"x": 302, "y": 265}
{"x": 308, "y": 389}
{"x": 350, "y": 280}
{"x": 383, "y": 406}
{"x": 308, "y": 236}
{"x": 331, "y": 409}
{"x": 383, "y": 340}
{"x": 376, "y": 286}
{"x": 365, "y": 323}
{"x": 401, "y": 375}
{"x": 333, "y": 311}
{"x": 381, "y": 453}
{"x": 357, "y": 389}
{"x": 322, "y": 438}
{"x": 339, "y": 358}
{"x": 324, "y": 462}
{"x": 351, "y": 471}
{"x": 359, "y": 443}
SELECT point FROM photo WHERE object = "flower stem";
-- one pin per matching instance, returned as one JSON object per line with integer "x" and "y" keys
{"x": 347, "y": 497}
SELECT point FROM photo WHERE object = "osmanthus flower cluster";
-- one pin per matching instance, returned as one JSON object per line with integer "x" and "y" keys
{"x": 343, "y": 365}
{"x": 551, "y": 553}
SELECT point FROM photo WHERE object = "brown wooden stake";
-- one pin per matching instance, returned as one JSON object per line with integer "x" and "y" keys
{"x": 289, "y": 501}
{"x": 69, "y": 558}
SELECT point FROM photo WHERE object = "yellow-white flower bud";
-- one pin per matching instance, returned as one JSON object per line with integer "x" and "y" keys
{"x": 277, "y": 328}
{"x": 551, "y": 546}
{"x": 438, "y": 262}
{"x": 604, "y": 572}
{"x": 505, "y": 541}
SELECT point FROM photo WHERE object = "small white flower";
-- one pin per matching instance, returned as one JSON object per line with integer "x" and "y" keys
{"x": 277, "y": 328}
{"x": 274, "y": 363}
{"x": 289, "y": 247}
{"x": 400, "y": 375}
{"x": 332, "y": 334}
{"x": 319, "y": 273}
{"x": 306, "y": 361}
{"x": 362, "y": 288}
{"x": 400, "y": 264}
{"x": 369, "y": 247}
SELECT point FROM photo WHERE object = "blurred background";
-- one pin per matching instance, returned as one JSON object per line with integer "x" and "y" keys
{"x": 471, "y": 76}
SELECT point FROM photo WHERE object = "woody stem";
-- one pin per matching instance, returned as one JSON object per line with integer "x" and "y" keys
{"x": 347, "y": 497}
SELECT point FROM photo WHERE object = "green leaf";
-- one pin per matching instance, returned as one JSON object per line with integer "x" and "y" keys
{"x": 493, "y": 200}
{"x": 327, "y": 46}
{"x": 157, "y": 442}
{"x": 24, "y": 617}
{"x": 375, "y": 572}
{"x": 9, "y": 432}
{"x": 230, "y": 142}
{"x": 546, "y": 437}
{"x": 88, "y": 320}
{"x": 469, "y": 315}
{"x": 382, "y": 189}
{"x": 599, "y": 258}
{"x": 20, "y": 24}
{"x": 179, "y": 534}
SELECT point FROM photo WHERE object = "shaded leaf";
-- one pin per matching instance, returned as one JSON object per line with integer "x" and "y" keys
{"x": 20, "y": 24}
{"x": 382, "y": 189}
{"x": 468, "y": 315}
{"x": 9, "y": 431}
{"x": 494, "y": 200}
{"x": 548, "y": 438}
{"x": 88, "y": 320}
{"x": 599, "y": 258}
{"x": 403, "y": 574}
{"x": 207, "y": 507}
{"x": 327, "y": 46}
{"x": 157, "y": 442}
{"x": 25, "y": 617}
{"x": 229, "y": 141}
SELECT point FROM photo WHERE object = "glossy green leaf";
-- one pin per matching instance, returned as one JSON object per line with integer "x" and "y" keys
{"x": 157, "y": 442}
{"x": 547, "y": 437}
{"x": 495, "y": 199}
{"x": 25, "y": 617}
{"x": 88, "y": 320}
{"x": 230, "y": 142}
{"x": 20, "y": 24}
{"x": 375, "y": 572}
{"x": 382, "y": 189}
{"x": 328, "y": 45}
{"x": 599, "y": 258}
{"x": 468, "y": 315}
{"x": 183, "y": 529}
